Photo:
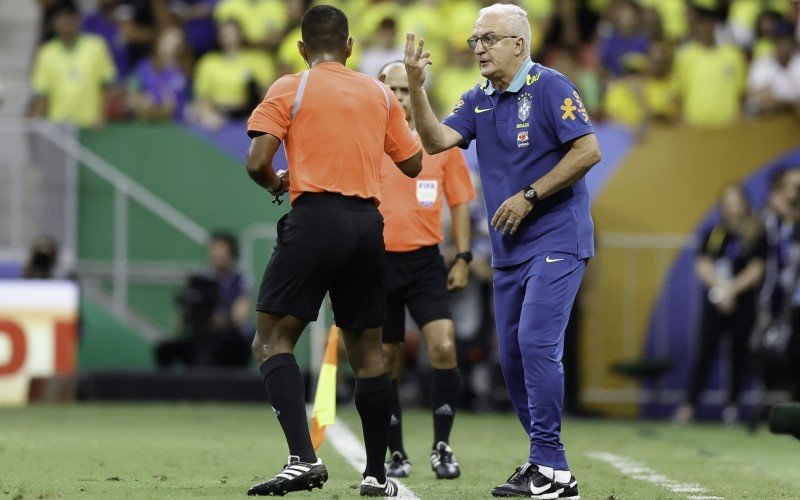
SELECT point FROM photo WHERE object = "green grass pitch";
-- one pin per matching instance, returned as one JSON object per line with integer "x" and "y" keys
{"x": 218, "y": 451}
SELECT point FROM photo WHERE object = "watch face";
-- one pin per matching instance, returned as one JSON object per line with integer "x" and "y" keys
{"x": 530, "y": 194}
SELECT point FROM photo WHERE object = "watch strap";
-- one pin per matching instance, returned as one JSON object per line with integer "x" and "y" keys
{"x": 465, "y": 256}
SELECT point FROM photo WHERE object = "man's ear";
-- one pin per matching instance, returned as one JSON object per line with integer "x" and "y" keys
{"x": 301, "y": 47}
{"x": 519, "y": 47}
{"x": 348, "y": 51}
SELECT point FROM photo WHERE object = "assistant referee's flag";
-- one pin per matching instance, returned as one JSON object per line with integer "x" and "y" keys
{"x": 324, "y": 413}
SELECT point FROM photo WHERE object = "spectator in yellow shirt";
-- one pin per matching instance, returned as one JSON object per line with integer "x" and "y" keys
{"x": 646, "y": 93}
{"x": 229, "y": 83}
{"x": 263, "y": 22}
{"x": 660, "y": 91}
{"x": 71, "y": 73}
{"x": 673, "y": 16}
{"x": 451, "y": 79}
{"x": 710, "y": 77}
{"x": 624, "y": 102}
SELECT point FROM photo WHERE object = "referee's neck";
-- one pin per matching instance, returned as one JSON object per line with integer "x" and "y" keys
{"x": 316, "y": 59}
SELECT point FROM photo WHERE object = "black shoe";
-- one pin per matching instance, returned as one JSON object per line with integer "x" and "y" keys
{"x": 398, "y": 466}
{"x": 295, "y": 476}
{"x": 370, "y": 487}
{"x": 443, "y": 462}
{"x": 528, "y": 482}
{"x": 570, "y": 490}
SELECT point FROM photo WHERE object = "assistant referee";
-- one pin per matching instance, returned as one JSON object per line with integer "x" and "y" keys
{"x": 337, "y": 125}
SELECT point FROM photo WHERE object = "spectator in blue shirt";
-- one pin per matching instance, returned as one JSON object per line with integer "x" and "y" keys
{"x": 159, "y": 89}
{"x": 535, "y": 143}
{"x": 198, "y": 23}
{"x": 624, "y": 37}
{"x": 103, "y": 22}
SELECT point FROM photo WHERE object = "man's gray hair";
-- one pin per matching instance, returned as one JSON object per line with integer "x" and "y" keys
{"x": 515, "y": 19}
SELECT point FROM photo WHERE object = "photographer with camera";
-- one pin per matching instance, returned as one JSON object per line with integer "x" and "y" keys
{"x": 730, "y": 264}
{"x": 776, "y": 340}
{"x": 214, "y": 314}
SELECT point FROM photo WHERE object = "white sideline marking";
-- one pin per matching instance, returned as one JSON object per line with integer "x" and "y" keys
{"x": 638, "y": 470}
{"x": 351, "y": 449}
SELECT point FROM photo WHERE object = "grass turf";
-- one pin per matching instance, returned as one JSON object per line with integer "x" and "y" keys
{"x": 218, "y": 451}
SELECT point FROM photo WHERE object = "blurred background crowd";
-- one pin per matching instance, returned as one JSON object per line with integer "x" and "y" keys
{"x": 704, "y": 63}
{"x": 640, "y": 65}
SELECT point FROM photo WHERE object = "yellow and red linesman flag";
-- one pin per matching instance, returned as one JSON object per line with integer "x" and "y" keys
{"x": 324, "y": 413}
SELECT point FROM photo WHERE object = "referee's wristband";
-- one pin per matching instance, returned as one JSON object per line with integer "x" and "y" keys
{"x": 465, "y": 256}
{"x": 280, "y": 186}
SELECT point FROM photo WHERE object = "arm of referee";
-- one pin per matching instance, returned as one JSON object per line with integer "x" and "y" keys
{"x": 259, "y": 163}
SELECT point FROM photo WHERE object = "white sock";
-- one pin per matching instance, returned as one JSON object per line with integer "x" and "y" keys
{"x": 547, "y": 471}
{"x": 563, "y": 476}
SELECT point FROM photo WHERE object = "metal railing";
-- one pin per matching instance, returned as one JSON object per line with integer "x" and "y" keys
{"x": 124, "y": 188}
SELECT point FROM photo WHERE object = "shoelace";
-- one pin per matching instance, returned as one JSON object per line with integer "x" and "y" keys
{"x": 517, "y": 477}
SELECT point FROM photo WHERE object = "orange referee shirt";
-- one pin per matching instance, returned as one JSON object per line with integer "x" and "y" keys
{"x": 336, "y": 124}
{"x": 412, "y": 208}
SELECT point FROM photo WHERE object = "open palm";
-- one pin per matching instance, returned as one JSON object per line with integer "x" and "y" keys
{"x": 415, "y": 60}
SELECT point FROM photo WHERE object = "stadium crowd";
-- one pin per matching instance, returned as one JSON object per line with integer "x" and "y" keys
{"x": 704, "y": 63}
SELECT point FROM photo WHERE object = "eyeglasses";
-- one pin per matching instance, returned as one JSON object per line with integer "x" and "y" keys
{"x": 487, "y": 40}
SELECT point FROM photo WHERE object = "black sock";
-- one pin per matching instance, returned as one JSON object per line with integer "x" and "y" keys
{"x": 445, "y": 389}
{"x": 396, "y": 422}
{"x": 374, "y": 405}
{"x": 286, "y": 392}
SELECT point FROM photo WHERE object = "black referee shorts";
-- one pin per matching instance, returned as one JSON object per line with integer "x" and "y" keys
{"x": 417, "y": 280}
{"x": 328, "y": 243}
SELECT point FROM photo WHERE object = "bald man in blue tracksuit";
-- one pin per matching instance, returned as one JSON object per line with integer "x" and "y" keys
{"x": 535, "y": 143}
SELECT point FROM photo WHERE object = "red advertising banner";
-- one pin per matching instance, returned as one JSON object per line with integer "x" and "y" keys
{"x": 38, "y": 334}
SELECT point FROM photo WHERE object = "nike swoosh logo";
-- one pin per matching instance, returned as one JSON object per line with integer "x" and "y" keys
{"x": 479, "y": 110}
{"x": 539, "y": 490}
{"x": 550, "y": 261}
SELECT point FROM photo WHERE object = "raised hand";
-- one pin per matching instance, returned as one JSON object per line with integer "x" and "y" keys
{"x": 415, "y": 60}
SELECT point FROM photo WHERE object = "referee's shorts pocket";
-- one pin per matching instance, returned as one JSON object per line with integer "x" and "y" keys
{"x": 279, "y": 227}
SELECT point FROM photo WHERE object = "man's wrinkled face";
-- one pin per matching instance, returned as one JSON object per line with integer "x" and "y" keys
{"x": 498, "y": 60}
{"x": 397, "y": 79}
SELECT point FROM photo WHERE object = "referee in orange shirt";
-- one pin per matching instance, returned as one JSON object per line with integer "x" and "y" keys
{"x": 416, "y": 277}
{"x": 337, "y": 126}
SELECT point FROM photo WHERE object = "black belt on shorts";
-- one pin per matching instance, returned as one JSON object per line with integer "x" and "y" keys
{"x": 423, "y": 253}
{"x": 337, "y": 200}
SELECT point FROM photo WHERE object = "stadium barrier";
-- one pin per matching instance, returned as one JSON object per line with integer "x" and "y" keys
{"x": 38, "y": 334}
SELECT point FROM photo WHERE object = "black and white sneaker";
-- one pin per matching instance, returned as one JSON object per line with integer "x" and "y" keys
{"x": 528, "y": 482}
{"x": 295, "y": 476}
{"x": 370, "y": 487}
{"x": 443, "y": 462}
{"x": 570, "y": 490}
{"x": 398, "y": 466}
